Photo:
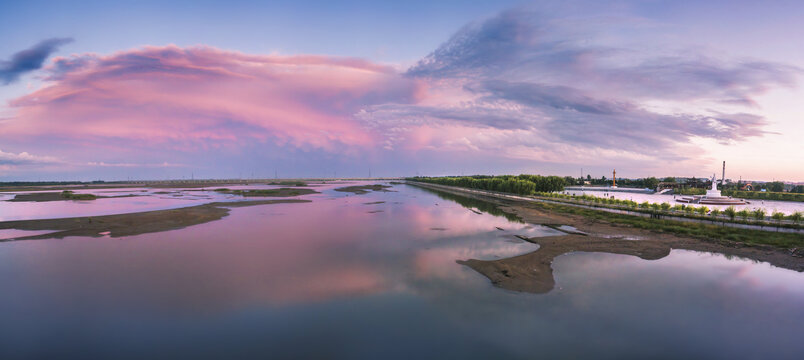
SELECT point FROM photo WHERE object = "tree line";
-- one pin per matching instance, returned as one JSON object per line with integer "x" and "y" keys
{"x": 764, "y": 195}
{"x": 521, "y": 184}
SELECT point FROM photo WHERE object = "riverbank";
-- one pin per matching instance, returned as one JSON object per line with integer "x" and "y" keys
{"x": 131, "y": 223}
{"x": 617, "y": 234}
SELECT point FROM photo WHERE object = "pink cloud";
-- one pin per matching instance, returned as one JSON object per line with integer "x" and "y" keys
{"x": 201, "y": 97}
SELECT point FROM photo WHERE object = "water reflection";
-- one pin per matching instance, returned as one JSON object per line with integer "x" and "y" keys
{"x": 328, "y": 279}
{"x": 120, "y": 201}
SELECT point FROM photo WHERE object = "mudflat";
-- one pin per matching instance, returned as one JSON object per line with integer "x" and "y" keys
{"x": 281, "y": 192}
{"x": 533, "y": 273}
{"x": 60, "y": 196}
{"x": 132, "y": 223}
{"x": 363, "y": 189}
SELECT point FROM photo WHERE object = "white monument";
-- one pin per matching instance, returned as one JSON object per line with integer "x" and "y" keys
{"x": 713, "y": 192}
{"x": 712, "y": 197}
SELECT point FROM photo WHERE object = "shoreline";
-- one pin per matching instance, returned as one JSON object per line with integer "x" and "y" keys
{"x": 132, "y": 223}
{"x": 532, "y": 272}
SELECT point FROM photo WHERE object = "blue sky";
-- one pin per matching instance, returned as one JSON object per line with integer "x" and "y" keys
{"x": 447, "y": 87}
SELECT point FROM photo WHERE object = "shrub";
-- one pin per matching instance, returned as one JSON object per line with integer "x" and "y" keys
{"x": 795, "y": 217}
{"x": 759, "y": 214}
{"x": 778, "y": 216}
{"x": 730, "y": 212}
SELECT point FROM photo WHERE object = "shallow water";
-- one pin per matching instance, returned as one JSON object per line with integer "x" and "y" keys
{"x": 119, "y": 201}
{"x": 334, "y": 278}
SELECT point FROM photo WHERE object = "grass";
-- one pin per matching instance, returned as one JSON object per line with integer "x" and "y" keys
{"x": 743, "y": 216}
{"x": 288, "y": 183}
{"x": 709, "y": 232}
{"x": 697, "y": 230}
{"x": 267, "y": 192}
{"x": 67, "y": 194}
{"x": 363, "y": 189}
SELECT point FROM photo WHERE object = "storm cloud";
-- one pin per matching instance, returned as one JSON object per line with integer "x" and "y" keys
{"x": 29, "y": 59}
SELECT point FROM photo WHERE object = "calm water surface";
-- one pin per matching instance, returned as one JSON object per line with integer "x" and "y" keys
{"x": 340, "y": 278}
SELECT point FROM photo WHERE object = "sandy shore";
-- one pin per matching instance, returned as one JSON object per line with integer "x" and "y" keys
{"x": 532, "y": 272}
{"x": 133, "y": 223}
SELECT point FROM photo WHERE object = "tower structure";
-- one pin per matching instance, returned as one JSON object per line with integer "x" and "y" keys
{"x": 614, "y": 178}
{"x": 723, "y": 176}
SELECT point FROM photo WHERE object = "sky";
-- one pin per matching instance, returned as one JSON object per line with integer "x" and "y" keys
{"x": 238, "y": 89}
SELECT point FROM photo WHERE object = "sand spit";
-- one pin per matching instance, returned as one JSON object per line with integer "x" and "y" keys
{"x": 132, "y": 223}
{"x": 57, "y": 196}
{"x": 533, "y": 273}
{"x": 281, "y": 192}
{"x": 363, "y": 189}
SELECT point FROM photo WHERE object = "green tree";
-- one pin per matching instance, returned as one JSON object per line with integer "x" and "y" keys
{"x": 651, "y": 182}
{"x": 759, "y": 214}
{"x": 744, "y": 214}
{"x": 665, "y": 206}
{"x": 703, "y": 210}
{"x": 776, "y": 186}
{"x": 778, "y": 216}
{"x": 795, "y": 217}
{"x": 731, "y": 212}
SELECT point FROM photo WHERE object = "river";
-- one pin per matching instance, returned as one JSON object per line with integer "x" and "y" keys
{"x": 375, "y": 276}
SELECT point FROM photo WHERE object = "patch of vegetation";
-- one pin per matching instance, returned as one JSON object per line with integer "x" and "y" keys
{"x": 281, "y": 192}
{"x": 522, "y": 184}
{"x": 363, "y": 189}
{"x": 288, "y": 183}
{"x": 678, "y": 210}
{"x": 764, "y": 195}
{"x": 690, "y": 191}
{"x": 697, "y": 230}
{"x": 67, "y": 194}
